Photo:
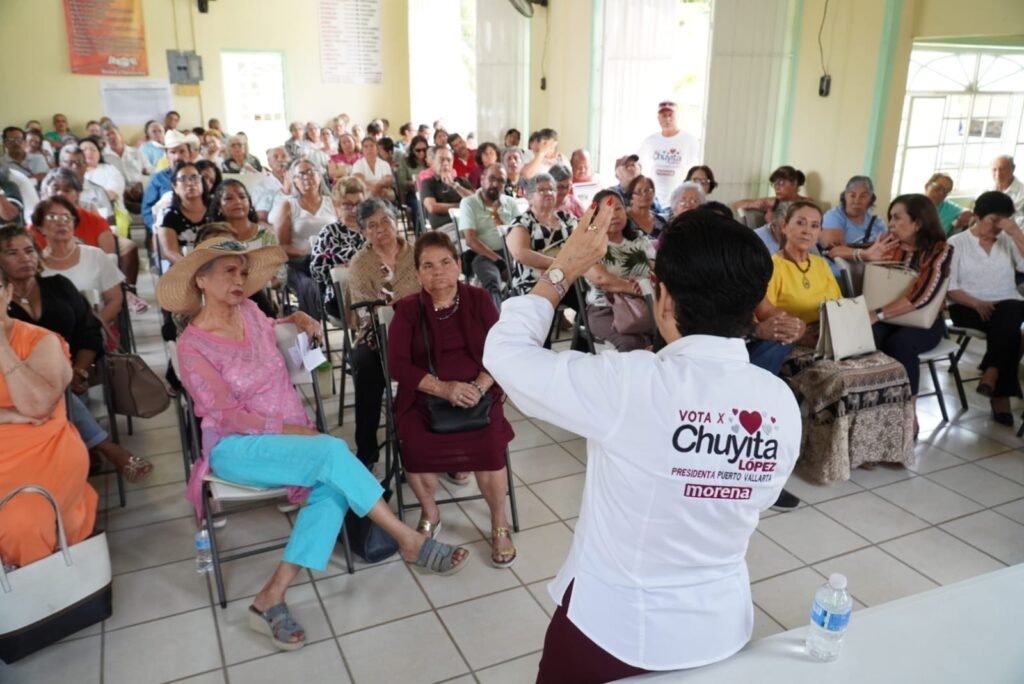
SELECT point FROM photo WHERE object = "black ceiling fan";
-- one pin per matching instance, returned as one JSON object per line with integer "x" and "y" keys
{"x": 525, "y": 7}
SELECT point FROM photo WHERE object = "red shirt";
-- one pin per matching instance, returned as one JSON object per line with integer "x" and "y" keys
{"x": 464, "y": 168}
{"x": 90, "y": 227}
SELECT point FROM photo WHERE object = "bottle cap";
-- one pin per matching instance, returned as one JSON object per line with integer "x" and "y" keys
{"x": 837, "y": 580}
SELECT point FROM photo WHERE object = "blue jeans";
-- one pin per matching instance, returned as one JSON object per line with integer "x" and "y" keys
{"x": 324, "y": 463}
{"x": 768, "y": 355}
{"x": 91, "y": 432}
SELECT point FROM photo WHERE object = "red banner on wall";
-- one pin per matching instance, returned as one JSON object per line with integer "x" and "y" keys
{"x": 106, "y": 37}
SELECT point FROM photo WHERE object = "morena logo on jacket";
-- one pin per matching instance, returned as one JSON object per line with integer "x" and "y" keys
{"x": 736, "y": 434}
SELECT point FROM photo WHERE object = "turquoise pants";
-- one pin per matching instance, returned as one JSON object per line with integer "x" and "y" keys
{"x": 324, "y": 463}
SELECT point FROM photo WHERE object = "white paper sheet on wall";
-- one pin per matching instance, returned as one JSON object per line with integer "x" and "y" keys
{"x": 135, "y": 101}
{"x": 350, "y": 41}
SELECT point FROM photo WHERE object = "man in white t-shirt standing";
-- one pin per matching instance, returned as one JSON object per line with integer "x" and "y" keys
{"x": 667, "y": 155}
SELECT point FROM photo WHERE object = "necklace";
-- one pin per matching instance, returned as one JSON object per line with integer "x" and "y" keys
{"x": 454, "y": 306}
{"x": 23, "y": 299}
{"x": 806, "y": 282}
{"x": 66, "y": 257}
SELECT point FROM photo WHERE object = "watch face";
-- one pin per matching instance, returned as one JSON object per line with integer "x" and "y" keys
{"x": 555, "y": 275}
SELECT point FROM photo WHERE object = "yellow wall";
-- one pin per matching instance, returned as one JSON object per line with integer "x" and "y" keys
{"x": 38, "y": 82}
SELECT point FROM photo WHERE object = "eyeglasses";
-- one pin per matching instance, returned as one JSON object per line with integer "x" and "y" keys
{"x": 644, "y": 191}
{"x": 72, "y": 162}
{"x": 308, "y": 173}
{"x": 349, "y": 206}
{"x": 59, "y": 218}
{"x": 545, "y": 191}
{"x": 13, "y": 139}
{"x": 420, "y": 150}
{"x": 191, "y": 179}
{"x": 941, "y": 188}
{"x": 780, "y": 181}
{"x": 236, "y": 144}
{"x": 702, "y": 181}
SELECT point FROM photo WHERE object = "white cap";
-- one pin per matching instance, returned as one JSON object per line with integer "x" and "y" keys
{"x": 837, "y": 580}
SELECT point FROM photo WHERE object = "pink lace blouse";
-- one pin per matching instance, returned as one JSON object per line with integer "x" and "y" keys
{"x": 237, "y": 388}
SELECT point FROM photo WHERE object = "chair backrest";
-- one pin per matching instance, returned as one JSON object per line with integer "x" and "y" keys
{"x": 845, "y": 278}
{"x": 647, "y": 289}
{"x": 339, "y": 281}
{"x": 752, "y": 218}
{"x": 250, "y": 180}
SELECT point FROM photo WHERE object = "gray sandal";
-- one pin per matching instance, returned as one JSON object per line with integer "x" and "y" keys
{"x": 278, "y": 624}
{"x": 437, "y": 557}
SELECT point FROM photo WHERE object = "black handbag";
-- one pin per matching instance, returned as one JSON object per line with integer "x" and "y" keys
{"x": 367, "y": 539}
{"x": 445, "y": 418}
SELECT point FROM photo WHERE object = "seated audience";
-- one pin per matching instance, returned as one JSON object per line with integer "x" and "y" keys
{"x": 105, "y": 175}
{"x": 130, "y": 161}
{"x": 435, "y": 349}
{"x": 565, "y": 198}
{"x": 35, "y": 144}
{"x": 463, "y": 159}
{"x": 516, "y": 184}
{"x": 255, "y": 428}
{"x": 626, "y": 262}
{"x": 683, "y": 598}
{"x": 89, "y": 268}
{"x": 413, "y": 163}
{"x": 374, "y": 172}
{"x": 485, "y": 155}
{"x": 703, "y": 176}
{"x": 771, "y": 232}
{"x": 18, "y": 156}
{"x": 338, "y": 242}
{"x": 12, "y": 204}
{"x": 852, "y": 225}
{"x": 211, "y": 174}
{"x": 313, "y": 149}
{"x": 41, "y": 447}
{"x": 546, "y": 154}
{"x": 383, "y": 270}
{"x": 915, "y": 239}
{"x": 55, "y": 304}
{"x": 171, "y": 120}
{"x": 186, "y": 215}
{"x": 982, "y": 287}
{"x": 93, "y": 197}
{"x": 211, "y": 147}
{"x": 1004, "y": 180}
{"x": 480, "y": 214}
{"x": 344, "y": 157}
{"x": 688, "y": 196}
{"x": 639, "y": 197}
{"x": 274, "y": 186}
{"x": 90, "y": 228}
{"x": 238, "y": 159}
{"x": 153, "y": 147}
{"x": 443, "y": 190}
{"x": 293, "y": 145}
{"x": 952, "y": 216}
{"x": 298, "y": 220}
{"x": 179, "y": 148}
{"x": 512, "y": 140}
{"x": 61, "y": 132}
{"x": 786, "y": 181}
{"x": 535, "y": 232}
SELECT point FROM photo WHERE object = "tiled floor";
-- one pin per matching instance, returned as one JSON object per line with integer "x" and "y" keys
{"x": 957, "y": 512}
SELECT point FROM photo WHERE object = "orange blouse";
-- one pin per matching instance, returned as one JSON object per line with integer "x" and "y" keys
{"x": 51, "y": 455}
{"x": 932, "y": 267}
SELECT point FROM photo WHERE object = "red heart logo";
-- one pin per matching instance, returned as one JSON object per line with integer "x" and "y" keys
{"x": 773, "y": 420}
{"x": 750, "y": 420}
{"x": 735, "y": 411}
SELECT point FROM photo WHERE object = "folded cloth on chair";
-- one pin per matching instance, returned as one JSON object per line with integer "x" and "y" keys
{"x": 194, "y": 490}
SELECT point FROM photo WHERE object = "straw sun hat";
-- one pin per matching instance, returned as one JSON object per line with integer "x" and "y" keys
{"x": 177, "y": 291}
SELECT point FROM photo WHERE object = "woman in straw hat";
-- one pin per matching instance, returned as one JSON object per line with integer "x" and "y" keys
{"x": 256, "y": 431}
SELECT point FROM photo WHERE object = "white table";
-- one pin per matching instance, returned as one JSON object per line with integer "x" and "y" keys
{"x": 970, "y": 632}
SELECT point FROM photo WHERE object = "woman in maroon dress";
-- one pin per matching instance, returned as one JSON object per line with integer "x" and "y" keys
{"x": 458, "y": 317}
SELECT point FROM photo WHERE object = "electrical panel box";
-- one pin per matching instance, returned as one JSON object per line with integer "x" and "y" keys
{"x": 184, "y": 67}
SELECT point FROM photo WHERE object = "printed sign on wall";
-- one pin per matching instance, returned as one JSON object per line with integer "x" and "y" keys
{"x": 106, "y": 37}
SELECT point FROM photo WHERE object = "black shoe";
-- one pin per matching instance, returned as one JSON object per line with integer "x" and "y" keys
{"x": 985, "y": 389}
{"x": 786, "y": 502}
{"x": 1003, "y": 418}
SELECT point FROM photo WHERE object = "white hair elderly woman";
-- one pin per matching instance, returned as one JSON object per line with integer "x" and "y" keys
{"x": 689, "y": 195}
{"x": 238, "y": 159}
{"x": 255, "y": 428}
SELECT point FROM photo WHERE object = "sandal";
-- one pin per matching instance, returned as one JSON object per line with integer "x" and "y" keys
{"x": 428, "y": 528}
{"x": 136, "y": 469}
{"x": 456, "y": 480}
{"x": 278, "y": 624}
{"x": 502, "y": 558}
{"x": 438, "y": 558}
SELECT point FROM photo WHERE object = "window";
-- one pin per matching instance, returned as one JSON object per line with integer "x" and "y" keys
{"x": 963, "y": 107}
{"x": 254, "y": 97}
{"x": 645, "y": 52}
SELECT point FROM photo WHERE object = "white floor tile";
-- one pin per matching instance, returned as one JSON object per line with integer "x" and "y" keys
{"x": 940, "y": 556}
{"x": 541, "y": 551}
{"x": 563, "y": 495}
{"x": 156, "y": 593}
{"x": 1010, "y": 464}
{"x": 875, "y": 577}
{"x": 1014, "y": 510}
{"x": 810, "y": 535}
{"x": 151, "y": 505}
{"x": 153, "y": 652}
{"x": 814, "y": 493}
{"x": 879, "y": 476}
{"x": 532, "y": 512}
{"x": 540, "y": 592}
{"x": 765, "y": 558}
{"x": 528, "y": 436}
{"x": 871, "y": 516}
{"x": 319, "y": 662}
{"x": 425, "y": 652}
{"x": 212, "y": 677}
{"x": 253, "y": 527}
{"x": 242, "y": 643}
{"x": 764, "y": 625}
{"x": 578, "y": 448}
{"x": 484, "y": 640}
{"x": 372, "y": 596}
{"x": 929, "y": 458}
{"x": 992, "y": 533}
{"x": 153, "y": 442}
{"x": 965, "y": 444}
{"x": 69, "y": 661}
{"x": 556, "y": 433}
{"x": 513, "y": 672}
{"x": 927, "y": 500}
{"x": 478, "y": 578}
{"x": 989, "y": 428}
{"x": 787, "y": 598}
{"x": 141, "y": 547}
{"x": 979, "y": 484}
{"x": 246, "y": 576}
{"x": 545, "y": 463}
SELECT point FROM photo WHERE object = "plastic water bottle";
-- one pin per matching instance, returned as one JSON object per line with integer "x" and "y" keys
{"x": 204, "y": 559}
{"x": 830, "y": 616}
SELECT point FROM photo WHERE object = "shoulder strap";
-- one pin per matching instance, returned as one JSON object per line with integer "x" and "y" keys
{"x": 871, "y": 225}
{"x": 426, "y": 334}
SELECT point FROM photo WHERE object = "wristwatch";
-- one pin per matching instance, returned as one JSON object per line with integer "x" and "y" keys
{"x": 879, "y": 314}
{"x": 555, "y": 277}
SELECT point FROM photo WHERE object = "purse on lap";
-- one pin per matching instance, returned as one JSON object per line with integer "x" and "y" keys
{"x": 630, "y": 314}
{"x": 445, "y": 418}
{"x": 885, "y": 282}
{"x": 67, "y": 591}
{"x": 845, "y": 329}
